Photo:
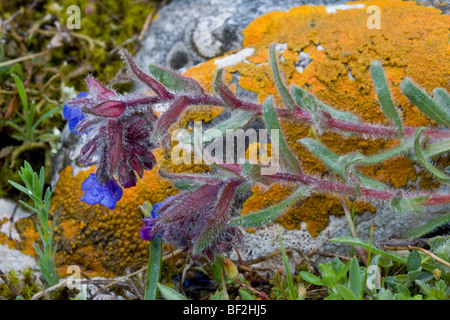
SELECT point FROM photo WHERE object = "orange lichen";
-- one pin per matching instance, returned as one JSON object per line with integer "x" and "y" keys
{"x": 99, "y": 240}
{"x": 338, "y": 74}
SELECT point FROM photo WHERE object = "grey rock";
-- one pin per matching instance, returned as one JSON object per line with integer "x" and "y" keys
{"x": 189, "y": 32}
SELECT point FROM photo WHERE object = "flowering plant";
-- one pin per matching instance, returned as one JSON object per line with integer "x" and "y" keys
{"x": 123, "y": 130}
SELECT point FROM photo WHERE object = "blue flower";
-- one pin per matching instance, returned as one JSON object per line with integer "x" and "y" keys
{"x": 74, "y": 114}
{"x": 150, "y": 220}
{"x": 107, "y": 195}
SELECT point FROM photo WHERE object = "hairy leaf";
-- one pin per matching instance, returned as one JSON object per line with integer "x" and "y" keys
{"x": 384, "y": 95}
{"x": 265, "y": 216}
{"x": 282, "y": 90}
{"x": 174, "y": 81}
{"x": 424, "y": 102}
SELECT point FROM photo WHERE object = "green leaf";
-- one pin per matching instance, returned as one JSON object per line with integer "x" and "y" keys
{"x": 369, "y": 182}
{"x": 17, "y": 128}
{"x": 19, "y": 187}
{"x": 239, "y": 119}
{"x": 414, "y": 261}
{"x": 245, "y": 295}
{"x": 407, "y": 205}
{"x": 154, "y": 271}
{"x": 217, "y": 296}
{"x": 186, "y": 184}
{"x": 359, "y": 242}
{"x": 169, "y": 293}
{"x": 265, "y": 216}
{"x": 28, "y": 206}
{"x": 429, "y": 226}
{"x": 174, "y": 81}
{"x": 425, "y": 104}
{"x": 292, "y": 291}
{"x": 442, "y": 98}
{"x": 345, "y": 292}
{"x": 22, "y": 92}
{"x": 421, "y": 157}
{"x": 384, "y": 95}
{"x": 386, "y": 295}
{"x": 46, "y": 115}
{"x": 284, "y": 93}
{"x": 271, "y": 121}
{"x": 298, "y": 94}
{"x": 330, "y": 159}
{"x": 355, "y": 283}
{"x": 309, "y": 277}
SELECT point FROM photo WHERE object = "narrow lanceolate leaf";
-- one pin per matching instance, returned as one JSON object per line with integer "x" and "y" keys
{"x": 309, "y": 277}
{"x": 365, "y": 245}
{"x": 259, "y": 218}
{"x": 292, "y": 291}
{"x": 170, "y": 294}
{"x": 421, "y": 157}
{"x": 224, "y": 92}
{"x": 369, "y": 182}
{"x": 170, "y": 116}
{"x": 157, "y": 87}
{"x": 219, "y": 218}
{"x": 238, "y": 120}
{"x": 282, "y": 90}
{"x": 345, "y": 292}
{"x": 384, "y": 95}
{"x": 298, "y": 94}
{"x": 355, "y": 282}
{"x": 327, "y": 156}
{"x": 424, "y": 102}
{"x": 46, "y": 115}
{"x": 271, "y": 121}
{"x": 442, "y": 98}
{"x": 429, "y": 226}
{"x": 22, "y": 92}
{"x": 175, "y": 82}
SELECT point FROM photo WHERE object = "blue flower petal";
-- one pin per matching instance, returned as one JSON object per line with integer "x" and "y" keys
{"x": 115, "y": 190}
{"x": 74, "y": 114}
{"x": 107, "y": 195}
{"x": 108, "y": 200}
{"x": 158, "y": 206}
{"x": 67, "y": 112}
{"x": 82, "y": 94}
{"x": 145, "y": 233}
{"x": 89, "y": 183}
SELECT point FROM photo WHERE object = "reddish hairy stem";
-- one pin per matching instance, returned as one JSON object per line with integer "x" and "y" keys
{"x": 337, "y": 187}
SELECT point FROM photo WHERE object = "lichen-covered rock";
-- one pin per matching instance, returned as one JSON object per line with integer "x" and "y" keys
{"x": 340, "y": 48}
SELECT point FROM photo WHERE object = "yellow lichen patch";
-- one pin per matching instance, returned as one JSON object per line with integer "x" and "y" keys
{"x": 99, "y": 240}
{"x": 258, "y": 154}
{"x": 412, "y": 42}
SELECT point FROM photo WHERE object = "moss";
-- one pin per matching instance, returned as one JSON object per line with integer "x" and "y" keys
{"x": 25, "y": 283}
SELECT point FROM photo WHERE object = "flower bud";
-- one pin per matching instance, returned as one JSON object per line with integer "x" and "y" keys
{"x": 230, "y": 269}
{"x": 437, "y": 274}
{"x": 109, "y": 109}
